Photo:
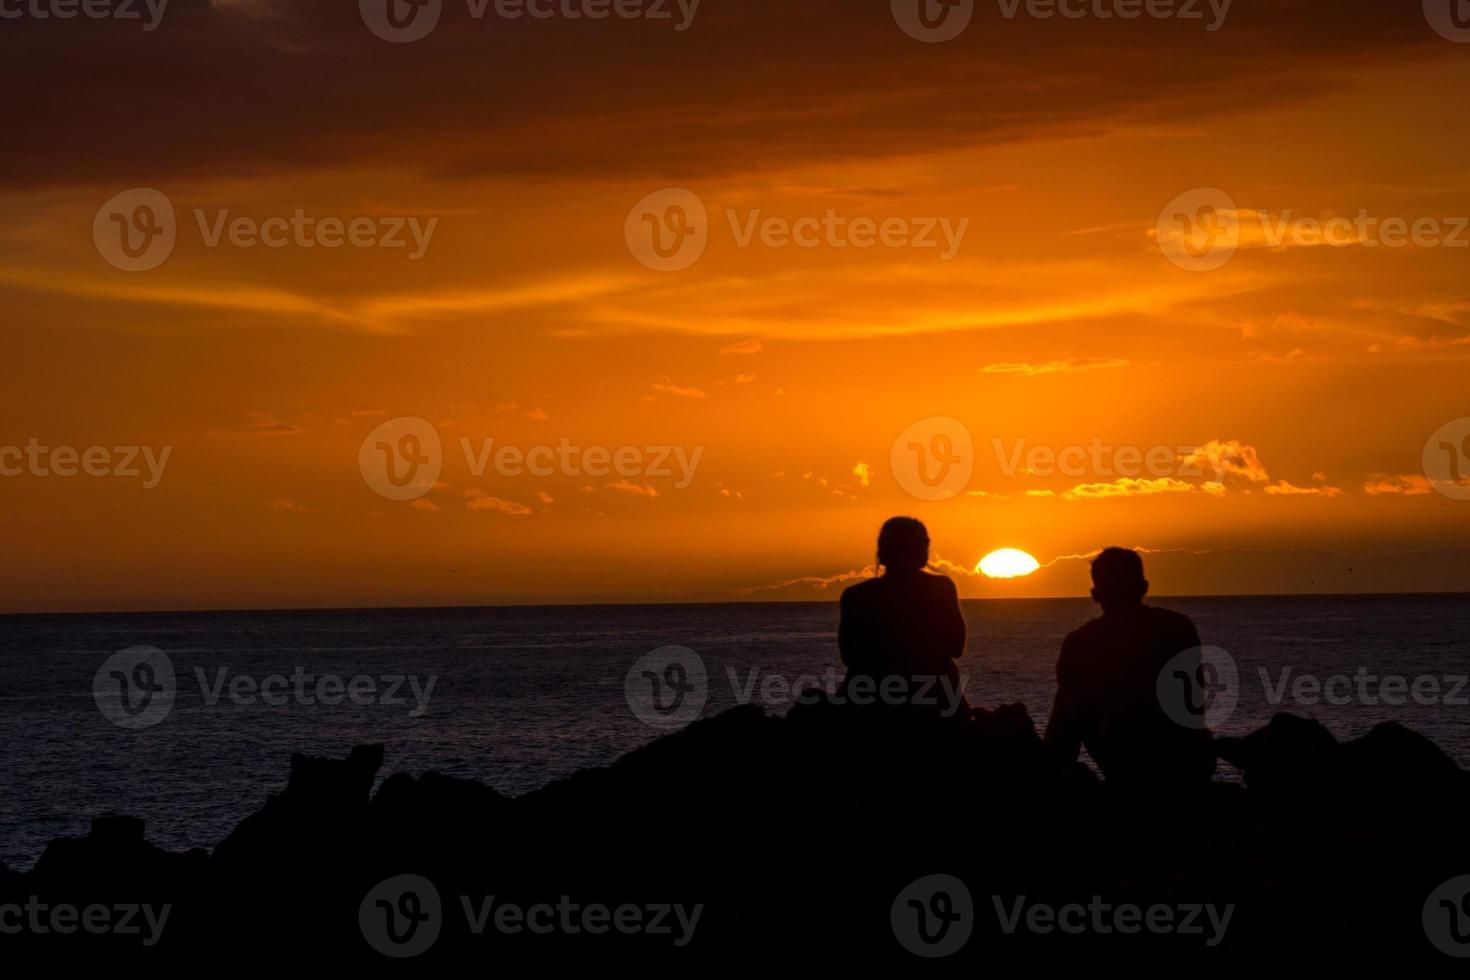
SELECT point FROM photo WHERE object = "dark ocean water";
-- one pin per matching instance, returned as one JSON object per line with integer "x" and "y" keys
{"x": 524, "y": 696}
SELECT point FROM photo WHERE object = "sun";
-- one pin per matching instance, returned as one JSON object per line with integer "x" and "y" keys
{"x": 1008, "y": 563}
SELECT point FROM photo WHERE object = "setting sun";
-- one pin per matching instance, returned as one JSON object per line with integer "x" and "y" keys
{"x": 1008, "y": 563}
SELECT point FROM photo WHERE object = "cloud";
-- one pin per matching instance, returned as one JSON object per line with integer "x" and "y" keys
{"x": 427, "y": 505}
{"x": 864, "y": 473}
{"x": 1228, "y": 458}
{"x": 1296, "y": 353}
{"x": 1283, "y": 488}
{"x": 1408, "y": 485}
{"x": 742, "y": 347}
{"x": 263, "y": 424}
{"x": 943, "y": 566}
{"x": 387, "y": 313}
{"x": 819, "y": 582}
{"x": 851, "y": 303}
{"x": 1256, "y": 327}
{"x": 822, "y": 583}
{"x": 1070, "y": 365}
{"x": 1274, "y": 232}
{"x": 1437, "y": 342}
{"x": 636, "y": 489}
{"x": 384, "y": 314}
{"x": 670, "y": 388}
{"x": 282, "y": 505}
{"x": 476, "y": 499}
{"x": 491, "y": 96}
{"x": 1131, "y": 487}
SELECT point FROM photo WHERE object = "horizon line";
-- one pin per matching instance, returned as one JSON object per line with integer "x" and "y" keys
{"x": 219, "y": 611}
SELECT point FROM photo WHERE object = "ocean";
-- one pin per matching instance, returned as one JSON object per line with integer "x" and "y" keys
{"x": 518, "y": 697}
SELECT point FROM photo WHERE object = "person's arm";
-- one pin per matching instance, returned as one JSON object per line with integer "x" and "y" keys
{"x": 1191, "y": 639}
{"x": 1181, "y": 637}
{"x": 848, "y": 632}
{"x": 954, "y": 630}
{"x": 1063, "y": 729}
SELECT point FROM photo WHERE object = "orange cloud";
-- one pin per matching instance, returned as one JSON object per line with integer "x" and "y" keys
{"x": 636, "y": 489}
{"x": 1408, "y": 485}
{"x": 1056, "y": 367}
{"x": 478, "y": 500}
{"x": 1229, "y": 458}
{"x": 1131, "y": 487}
{"x": 1283, "y": 488}
{"x": 669, "y": 388}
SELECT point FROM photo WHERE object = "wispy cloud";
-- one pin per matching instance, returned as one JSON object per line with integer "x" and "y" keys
{"x": 1408, "y": 485}
{"x": 1283, "y": 488}
{"x": 1070, "y": 365}
{"x": 265, "y": 424}
{"x": 1131, "y": 487}
{"x": 668, "y": 387}
{"x": 635, "y": 489}
{"x": 476, "y": 499}
{"x": 1229, "y": 458}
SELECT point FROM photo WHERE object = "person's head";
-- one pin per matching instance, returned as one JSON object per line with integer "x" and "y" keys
{"x": 903, "y": 545}
{"x": 1117, "y": 578}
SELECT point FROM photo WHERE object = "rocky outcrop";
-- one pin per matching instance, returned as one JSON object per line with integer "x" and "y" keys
{"x": 797, "y": 839}
{"x": 1301, "y": 761}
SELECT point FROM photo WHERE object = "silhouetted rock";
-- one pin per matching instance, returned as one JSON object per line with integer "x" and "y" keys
{"x": 114, "y": 853}
{"x": 1282, "y": 756}
{"x": 322, "y": 797}
{"x": 1391, "y": 769}
{"x": 1391, "y": 757}
{"x": 794, "y": 836}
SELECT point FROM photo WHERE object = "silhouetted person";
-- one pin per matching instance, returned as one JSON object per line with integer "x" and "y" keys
{"x": 1108, "y": 685}
{"x": 903, "y": 629}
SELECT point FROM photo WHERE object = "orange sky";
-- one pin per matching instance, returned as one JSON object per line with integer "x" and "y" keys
{"x": 1047, "y": 148}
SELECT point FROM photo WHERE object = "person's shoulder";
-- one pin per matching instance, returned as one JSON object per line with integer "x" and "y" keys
{"x": 1078, "y": 645}
{"x": 860, "y": 589}
{"x": 1085, "y": 632}
{"x": 940, "y": 583}
{"x": 1169, "y": 620}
